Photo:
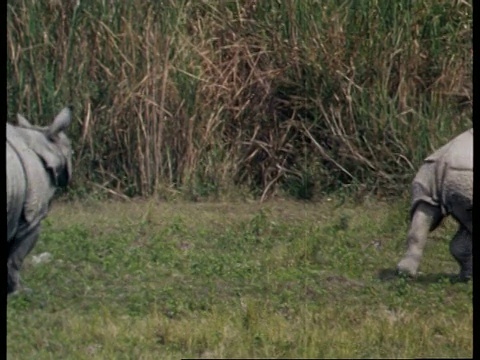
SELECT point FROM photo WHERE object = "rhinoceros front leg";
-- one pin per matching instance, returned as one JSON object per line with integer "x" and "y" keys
{"x": 461, "y": 250}
{"x": 425, "y": 218}
{"x": 18, "y": 250}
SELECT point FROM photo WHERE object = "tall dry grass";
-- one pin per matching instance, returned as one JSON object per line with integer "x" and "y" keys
{"x": 208, "y": 96}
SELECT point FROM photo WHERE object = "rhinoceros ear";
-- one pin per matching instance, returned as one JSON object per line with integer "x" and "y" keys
{"x": 23, "y": 122}
{"x": 60, "y": 164}
{"x": 54, "y": 149}
{"x": 60, "y": 123}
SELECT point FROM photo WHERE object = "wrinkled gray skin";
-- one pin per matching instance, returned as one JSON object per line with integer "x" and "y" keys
{"x": 443, "y": 186}
{"x": 39, "y": 159}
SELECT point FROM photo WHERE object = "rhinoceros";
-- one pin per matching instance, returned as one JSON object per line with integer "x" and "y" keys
{"x": 39, "y": 160}
{"x": 443, "y": 186}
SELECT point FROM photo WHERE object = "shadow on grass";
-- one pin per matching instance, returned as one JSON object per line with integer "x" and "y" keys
{"x": 391, "y": 275}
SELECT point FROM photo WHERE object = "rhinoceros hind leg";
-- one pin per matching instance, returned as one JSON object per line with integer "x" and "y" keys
{"x": 425, "y": 218}
{"x": 13, "y": 279}
{"x": 18, "y": 249}
{"x": 461, "y": 250}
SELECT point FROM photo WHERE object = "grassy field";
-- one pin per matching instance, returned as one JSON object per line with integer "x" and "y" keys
{"x": 147, "y": 280}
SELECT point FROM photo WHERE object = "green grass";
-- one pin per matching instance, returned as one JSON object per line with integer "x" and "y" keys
{"x": 140, "y": 280}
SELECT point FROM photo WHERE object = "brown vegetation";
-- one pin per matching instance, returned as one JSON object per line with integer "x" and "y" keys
{"x": 207, "y": 96}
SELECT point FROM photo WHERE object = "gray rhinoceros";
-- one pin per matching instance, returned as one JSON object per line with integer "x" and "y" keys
{"x": 443, "y": 186}
{"x": 39, "y": 159}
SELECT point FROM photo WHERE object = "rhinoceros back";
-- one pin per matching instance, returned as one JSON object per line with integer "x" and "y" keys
{"x": 16, "y": 187}
{"x": 446, "y": 175}
{"x": 458, "y": 153}
{"x": 29, "y": 188}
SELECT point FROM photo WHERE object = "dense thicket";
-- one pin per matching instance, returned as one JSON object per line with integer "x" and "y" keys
{"x": 205, "y": 96}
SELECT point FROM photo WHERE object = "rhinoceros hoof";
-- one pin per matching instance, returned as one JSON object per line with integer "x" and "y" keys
{"x": 21, "y": 290}
{"x": 407, "y": 266}
{"x": 12, "y": 286}
{"x": 464, "y": 276}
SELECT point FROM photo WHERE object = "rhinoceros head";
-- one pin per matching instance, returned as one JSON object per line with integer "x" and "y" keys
{"x": 52, "y": 145}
